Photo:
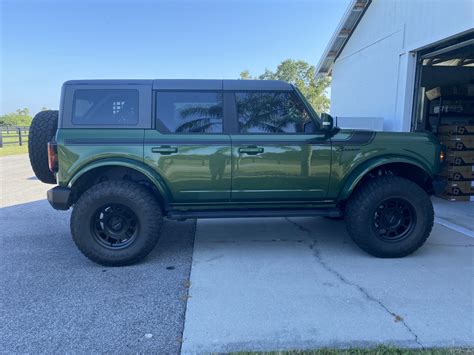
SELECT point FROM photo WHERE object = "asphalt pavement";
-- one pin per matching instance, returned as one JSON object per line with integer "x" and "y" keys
{"x": 54, "y": 300}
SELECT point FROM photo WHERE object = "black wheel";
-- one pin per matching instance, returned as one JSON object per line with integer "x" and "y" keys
{"x": 42, "y": 130}
{"x": 389, "y": 217}
{"x": 114, "y": 226}
{"x": 116, "y": 223}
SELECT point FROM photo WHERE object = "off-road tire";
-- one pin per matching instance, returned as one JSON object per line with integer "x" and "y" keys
{"x": 360, "y": 209}
{"x": 134, "y": 196}
{"x": 42, "y": 130}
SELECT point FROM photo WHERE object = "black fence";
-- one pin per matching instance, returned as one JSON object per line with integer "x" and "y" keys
{"x": 14, "y": 135}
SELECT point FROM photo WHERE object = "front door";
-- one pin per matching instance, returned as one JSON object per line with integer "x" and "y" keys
{"x": 188, "y": 147}
{"x": 273, "y": 159}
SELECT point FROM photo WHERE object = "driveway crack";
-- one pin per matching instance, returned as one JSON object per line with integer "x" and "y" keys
{"x": 452, "y": 245}
{"x": 317, "y": 254}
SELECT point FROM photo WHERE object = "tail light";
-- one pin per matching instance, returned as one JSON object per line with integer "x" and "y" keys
{"x": 52, "y": 157}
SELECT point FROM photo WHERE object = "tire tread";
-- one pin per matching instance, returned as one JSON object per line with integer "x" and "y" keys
{"x": 42, "y": 129}
{"x": 359, "y": 207}
{"x": 152, "y": 218}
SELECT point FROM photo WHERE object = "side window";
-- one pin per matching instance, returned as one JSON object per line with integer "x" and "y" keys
{"x": 270, "y": 113}
{"x": 189, "y": 112}
{"x": 105, "y": 107}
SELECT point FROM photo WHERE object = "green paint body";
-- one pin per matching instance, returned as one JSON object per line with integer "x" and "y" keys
{"x": 215, "y": 171}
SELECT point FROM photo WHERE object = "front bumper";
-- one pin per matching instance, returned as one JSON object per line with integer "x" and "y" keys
{"x": 59, "y": 197}
{"x": 439, "y": 184}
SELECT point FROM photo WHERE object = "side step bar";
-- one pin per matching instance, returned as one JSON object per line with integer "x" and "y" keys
{"x": 183, "y": 215}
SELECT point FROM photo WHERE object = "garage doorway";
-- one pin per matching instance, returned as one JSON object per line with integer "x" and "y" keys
{"x": 444, "y": 105}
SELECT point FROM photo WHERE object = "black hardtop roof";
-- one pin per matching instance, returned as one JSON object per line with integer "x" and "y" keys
{"x": 193, "y": 84}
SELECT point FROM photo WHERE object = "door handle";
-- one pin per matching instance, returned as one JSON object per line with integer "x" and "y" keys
{"x": 251, "y": 150}
{"x": 164, "y": 150}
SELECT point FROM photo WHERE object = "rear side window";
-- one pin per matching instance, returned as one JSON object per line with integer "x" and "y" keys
{"x": 270, "y": 113}
{"x": 189, "y": 112}
{"x": 105, "y": 107}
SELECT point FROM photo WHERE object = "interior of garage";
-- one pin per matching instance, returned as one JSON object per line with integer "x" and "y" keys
{"x": 444, "y": 105}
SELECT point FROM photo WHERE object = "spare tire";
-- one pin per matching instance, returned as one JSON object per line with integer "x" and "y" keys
{"x": 42, "y": 130}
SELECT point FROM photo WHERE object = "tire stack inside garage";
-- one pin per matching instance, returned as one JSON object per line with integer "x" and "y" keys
{"x": 451, "y": 114}
{"x": 444, "y": 105}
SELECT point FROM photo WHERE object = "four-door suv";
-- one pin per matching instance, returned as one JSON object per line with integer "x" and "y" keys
{"x": 126, "y": 153}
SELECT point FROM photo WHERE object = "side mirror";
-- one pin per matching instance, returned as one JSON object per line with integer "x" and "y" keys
{"x": 327, "y": 122}
{"x": 309, "y": 127}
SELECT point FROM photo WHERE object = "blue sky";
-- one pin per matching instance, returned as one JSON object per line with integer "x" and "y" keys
{"x": 44, "y": 43}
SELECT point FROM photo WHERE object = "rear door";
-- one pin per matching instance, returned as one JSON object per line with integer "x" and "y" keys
{"x": 188, "y": 146}
{"x": 273, "y": 158}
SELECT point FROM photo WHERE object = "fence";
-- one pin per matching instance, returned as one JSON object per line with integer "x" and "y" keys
{"x": 14, "y": 135}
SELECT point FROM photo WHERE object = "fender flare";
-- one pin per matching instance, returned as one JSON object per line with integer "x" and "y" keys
{"x": 363, "y": 168}
{"x": 138, "y": 166}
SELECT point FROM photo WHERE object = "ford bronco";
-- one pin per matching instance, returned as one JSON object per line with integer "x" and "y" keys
{"x": 127, "y": 153}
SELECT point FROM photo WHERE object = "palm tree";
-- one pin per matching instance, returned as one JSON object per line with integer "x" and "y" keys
{"x": 269, "y": 112}
{"x": 274, "y": 113}
{"x": 205, "y": 118}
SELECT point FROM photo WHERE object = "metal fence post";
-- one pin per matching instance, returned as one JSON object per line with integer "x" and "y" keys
{"x": 20, "y": 140}
{"x": 1, "y": 138}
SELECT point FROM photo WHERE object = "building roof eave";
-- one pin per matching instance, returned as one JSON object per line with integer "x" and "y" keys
{"x": 344, "y": 30}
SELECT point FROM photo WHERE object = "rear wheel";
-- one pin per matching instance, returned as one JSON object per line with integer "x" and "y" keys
{"x": 389, "y": 217}
{"x": 42, "y": 130}
{"x": 116, "y": 223}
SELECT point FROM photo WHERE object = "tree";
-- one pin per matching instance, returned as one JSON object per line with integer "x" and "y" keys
{"x": 302, "y": 75}
{"x": 245, "y": 75}
{"x": 19, "y": 118}
{"x": 201, "y": 119}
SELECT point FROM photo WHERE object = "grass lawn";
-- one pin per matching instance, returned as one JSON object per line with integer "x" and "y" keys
{"x": 380, "y": 350}
{"x": 10, "y": 142}
{"x": 13, "y": 149}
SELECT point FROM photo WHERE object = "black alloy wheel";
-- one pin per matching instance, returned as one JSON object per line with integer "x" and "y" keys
{"x": 389, "y": 216}
{"x": 114, "y": 226}
{"x": 394, "y": 219}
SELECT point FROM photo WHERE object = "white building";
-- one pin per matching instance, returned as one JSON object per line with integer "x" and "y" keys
{"x": 386, "y": 54}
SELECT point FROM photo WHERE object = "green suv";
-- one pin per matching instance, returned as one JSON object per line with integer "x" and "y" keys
{"x": 127, "y": 153}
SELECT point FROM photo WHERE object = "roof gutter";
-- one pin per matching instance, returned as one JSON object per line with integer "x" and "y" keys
{"x": 344, "y": 31}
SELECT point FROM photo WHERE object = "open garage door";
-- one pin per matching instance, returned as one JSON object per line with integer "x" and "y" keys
{"x": 444, "y": 105}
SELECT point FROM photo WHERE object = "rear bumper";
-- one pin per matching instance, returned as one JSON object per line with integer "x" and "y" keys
{"x": 59, "y": 197}
{"x": 439, "y": 184}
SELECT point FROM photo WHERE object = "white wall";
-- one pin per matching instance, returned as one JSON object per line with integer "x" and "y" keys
{"x": 374, "y": 74}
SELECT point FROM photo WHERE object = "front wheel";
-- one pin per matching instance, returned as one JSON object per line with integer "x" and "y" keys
{"x": 389, "y": 217}
{"x": 116, "y": 223}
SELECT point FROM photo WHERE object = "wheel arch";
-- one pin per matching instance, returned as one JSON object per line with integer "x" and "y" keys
{"x": 118, "y": 169}
{"x": 407, "y": 168}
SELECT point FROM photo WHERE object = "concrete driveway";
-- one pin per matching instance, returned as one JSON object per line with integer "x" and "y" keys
{"x": 261, "y": 284}
{"x": 256, "y": 284}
